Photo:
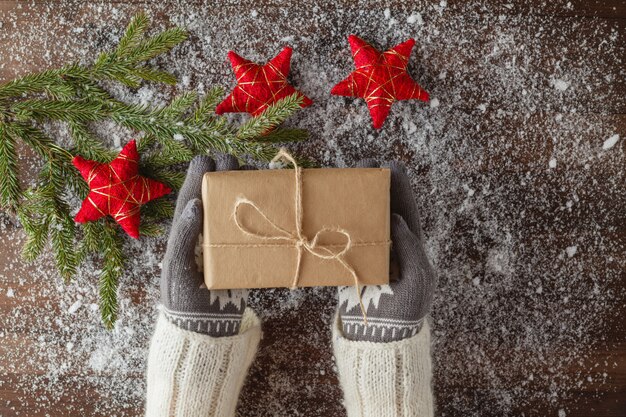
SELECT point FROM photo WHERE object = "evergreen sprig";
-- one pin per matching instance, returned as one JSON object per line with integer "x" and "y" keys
{"x": 169, "y": 136}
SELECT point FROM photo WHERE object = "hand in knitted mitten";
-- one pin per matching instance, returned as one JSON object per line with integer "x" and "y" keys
{"x": 394, "y": 311}
{"x": 186, "y": 301}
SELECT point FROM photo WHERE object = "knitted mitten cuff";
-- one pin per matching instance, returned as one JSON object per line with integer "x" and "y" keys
{"x": 215, "y": 324}
{"x": 379, "y": 329}
{"x": 193, "y": 374}
{"x": 385, "y": 379}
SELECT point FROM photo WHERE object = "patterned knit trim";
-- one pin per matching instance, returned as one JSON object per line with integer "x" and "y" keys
{"x": 249, "y": 323}
{"x": 199, "y": 315}
{"x": 380, "y": 329}
{"x": 211, "y": 324}
{"x": 422, "y": 336}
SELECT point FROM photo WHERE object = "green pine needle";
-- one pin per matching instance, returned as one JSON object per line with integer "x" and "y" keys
{"x": 205, "y": 110}
{"x": 168, "y": 137}
{"x": 10, "y": 191}
{"x": 150, "y": 229}
{"x": 161, "y": 208}
{"x": 66, "y": 110}
{"x": 134, "y": 32}
{"x": 180, "y": 105}
{"x": 62, "y": 238}
{"x": 111, "y": 272}
{"x": 284, "y": 135}
{"x": 157, "y": 45}
{"x": 36, "y": 235}
{"x": 270, "y": 118}
{"x": 154, "y": 75}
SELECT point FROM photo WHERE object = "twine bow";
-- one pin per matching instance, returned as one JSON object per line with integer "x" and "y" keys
{"x": 297, "y": 238}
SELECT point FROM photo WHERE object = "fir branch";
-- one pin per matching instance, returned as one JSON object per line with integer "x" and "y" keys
{"x": 284, "y": 135}
{"x": 134, "y": 32}
{"x": 50, "y": 82}
{"x": 36, "y": 234}
{"x": 169, "y": 136}
{"x": 112, "y": 270}
{"x": 10, "y": 191}
{"x": 161, "y": 208}
{"x": 205, "y": 110}
{"x": 146, "y": 228}
{"x": 146, "y": 142}
{"x": 38, "y": 201}
{"x": 176, "y": 150}
{"x": 87, "y": 145}
{"x": 171, "y": 177}
{"x": 65, "y": 110}
{"x": 34, "y": 138}
{"x": 157, "y": 45}
{"x": 154, "y": 75}
{"x": 62, "y": 238}
{"x": 179, "y": 106}
{"x": 90, "y": 242}
{"x": 158, "y": 159}
{"x": 57, "y": 167}
{"x": 270, "y": 118}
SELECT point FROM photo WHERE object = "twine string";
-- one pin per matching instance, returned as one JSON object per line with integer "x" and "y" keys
{"x": 297, "y": 238}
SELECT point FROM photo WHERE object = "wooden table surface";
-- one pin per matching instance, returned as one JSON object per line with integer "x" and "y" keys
{"x": 529, "y": 313}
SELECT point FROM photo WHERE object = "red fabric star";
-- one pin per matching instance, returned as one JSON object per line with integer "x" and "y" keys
{"x": 380, "y": 78}
{"x": 117, "y": 189}
{"x": 259, "y": 86}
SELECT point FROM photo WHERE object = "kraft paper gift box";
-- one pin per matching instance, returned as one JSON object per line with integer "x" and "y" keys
{"x": 251, "y": 240}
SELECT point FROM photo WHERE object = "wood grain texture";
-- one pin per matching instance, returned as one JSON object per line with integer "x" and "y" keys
{"x": 503, "y": 157}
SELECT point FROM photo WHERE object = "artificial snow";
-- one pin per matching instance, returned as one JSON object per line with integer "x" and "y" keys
{"x": 74, "y": 307}
{"x": 610, "y": 142}
{"x": 571, "y": 250}
{"x": 495, "y": 220}
{"x": 552, "y": 163}
{"x": 415, "y": 18}
{"x": 560, "y": 85}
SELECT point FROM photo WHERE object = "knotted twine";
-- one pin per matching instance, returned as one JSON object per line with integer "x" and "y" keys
{"x": 297, "y": 238}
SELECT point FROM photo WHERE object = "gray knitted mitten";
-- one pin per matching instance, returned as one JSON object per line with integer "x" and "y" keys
{"x": 186, "y": 301}
{"x": 394, "y": 311}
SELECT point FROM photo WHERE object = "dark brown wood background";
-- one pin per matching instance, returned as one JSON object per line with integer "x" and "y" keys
{"x": 293, "y": 374}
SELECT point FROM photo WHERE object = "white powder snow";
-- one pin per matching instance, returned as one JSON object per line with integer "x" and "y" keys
{"x": 571, "y": 250}
{"x": 492, "y": 256}
{"x": 74, "y": 307}
{"x": 560, "y": 85}
{"x": 610, "y": 142}
{"x": 552, "y": 163}
{"x": 415, "y": 18}
{"x": 10, "y": 293}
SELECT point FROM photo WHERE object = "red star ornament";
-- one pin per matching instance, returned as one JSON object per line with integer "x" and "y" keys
{"x": 117, "y": 189}
{"x": 380, "y": 78}
{"x": 259, "y": 86}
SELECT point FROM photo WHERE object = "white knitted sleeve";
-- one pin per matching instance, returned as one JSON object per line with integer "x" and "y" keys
{"x": 191, "y": 374}
{"x": 385, "y": 379}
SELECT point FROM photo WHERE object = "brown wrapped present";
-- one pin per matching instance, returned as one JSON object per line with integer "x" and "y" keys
{"x": 296, "y": 227}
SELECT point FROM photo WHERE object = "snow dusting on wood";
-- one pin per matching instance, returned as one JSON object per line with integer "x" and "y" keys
{"x": 516, "y": 163}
